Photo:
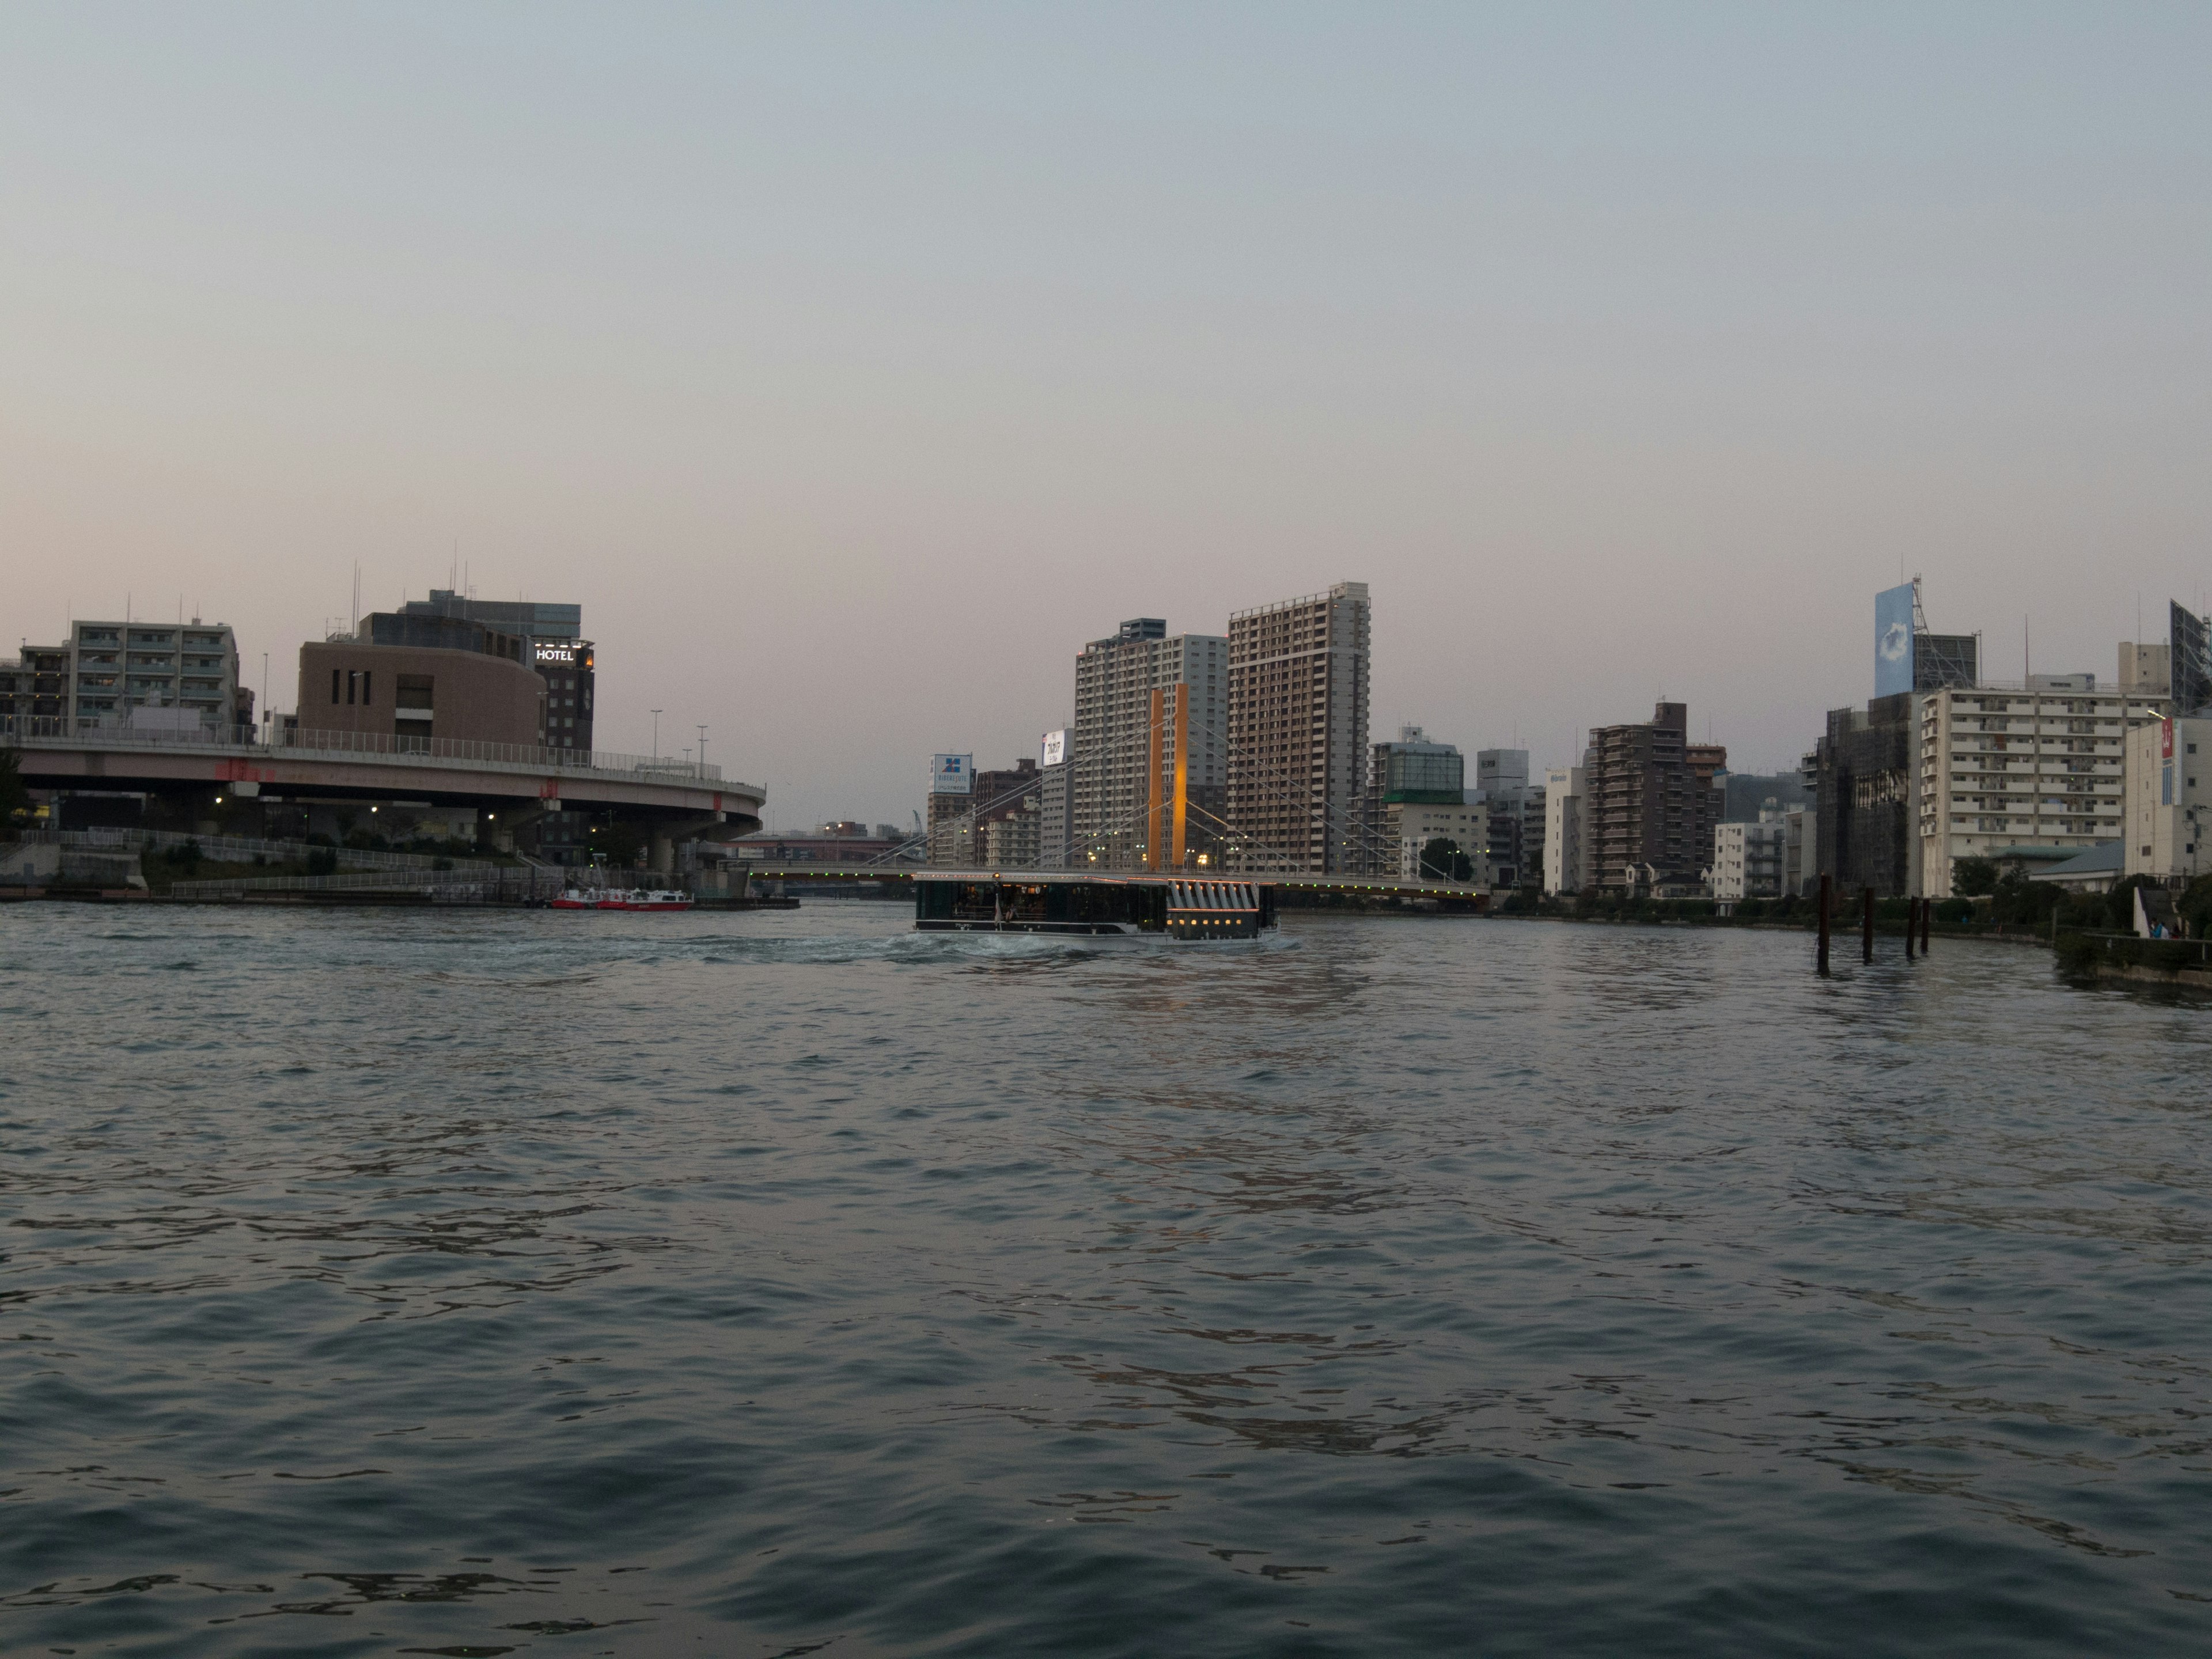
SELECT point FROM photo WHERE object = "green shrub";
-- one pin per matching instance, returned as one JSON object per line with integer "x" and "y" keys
{"x": 323, "y": 861}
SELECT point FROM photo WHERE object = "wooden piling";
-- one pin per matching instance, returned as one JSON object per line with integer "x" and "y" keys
{"x": 1927, "y": 911}
{"x": 1911, "y": 925}
{"x": 1866, "y": 924}
{"x": 1824, "y": 923}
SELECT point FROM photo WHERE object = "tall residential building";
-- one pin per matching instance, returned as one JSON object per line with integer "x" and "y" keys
{"x": 1298, "y": 731}
{"x": 2169, "y": 777}
{"x": 35, "y": 687}
{"x": 1644, "y": 806}
{"x": 2039, "y": 765}
{"x": 1563, "y": 868}
{"x": 173, "y": 677}
{"x": 1114, "y": 679}
{"x": 1056, "y": 802}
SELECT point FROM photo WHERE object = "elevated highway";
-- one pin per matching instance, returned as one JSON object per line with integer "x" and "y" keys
{"x": 511, "y": 782}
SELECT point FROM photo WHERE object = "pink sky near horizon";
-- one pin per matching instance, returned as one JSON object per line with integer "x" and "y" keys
{"x": 852, "y": 367}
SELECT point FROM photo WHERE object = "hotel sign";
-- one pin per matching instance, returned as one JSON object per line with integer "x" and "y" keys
{"x": 563, "y": 653}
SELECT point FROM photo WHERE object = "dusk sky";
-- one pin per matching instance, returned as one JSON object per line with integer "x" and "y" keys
{"x": 852, "y": 366}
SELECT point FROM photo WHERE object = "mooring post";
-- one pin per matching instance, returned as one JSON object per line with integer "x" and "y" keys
{"x": 1866, "y": 924}
{"x": 1911, "y": 925}
{"x": 1824, "y": 923}
{"x": 1927, "y": 910}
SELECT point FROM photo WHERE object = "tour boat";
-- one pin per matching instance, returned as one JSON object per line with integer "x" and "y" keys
{"x": 1186, "y": 906}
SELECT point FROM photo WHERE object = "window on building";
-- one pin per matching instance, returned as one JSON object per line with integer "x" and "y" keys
{"x": 334, "y": 685}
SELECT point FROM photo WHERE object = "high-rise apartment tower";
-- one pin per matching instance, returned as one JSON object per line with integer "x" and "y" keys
{"x": 1114, "y": 679}
{"x": 1298, "y": 733}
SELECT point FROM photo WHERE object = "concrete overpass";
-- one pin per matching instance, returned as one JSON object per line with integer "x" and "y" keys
{"x": 513, "y": 782}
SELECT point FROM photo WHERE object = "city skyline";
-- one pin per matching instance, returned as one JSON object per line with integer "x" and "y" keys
{"x": 1623, "y": 359}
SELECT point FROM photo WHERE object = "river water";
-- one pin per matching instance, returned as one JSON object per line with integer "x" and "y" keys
{"x": 774, "y": 1284}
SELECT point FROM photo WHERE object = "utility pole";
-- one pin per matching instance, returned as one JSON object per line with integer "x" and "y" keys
{"x": 656, "y": 734}
{"x": 702, "y": 751}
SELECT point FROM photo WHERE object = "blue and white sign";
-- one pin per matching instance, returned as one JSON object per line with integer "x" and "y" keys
{"x": 1893, "y": 640}
{"x": 952, "y": 774}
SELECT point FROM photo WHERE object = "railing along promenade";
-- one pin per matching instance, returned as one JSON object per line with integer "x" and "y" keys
{"x": 243, "y": 849}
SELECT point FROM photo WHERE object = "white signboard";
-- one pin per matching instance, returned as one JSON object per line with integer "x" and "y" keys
{"x": 1055, "y": 748}
{"x": 952, "y": 774}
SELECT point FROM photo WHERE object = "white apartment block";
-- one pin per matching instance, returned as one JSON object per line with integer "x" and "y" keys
{"x": 118, "y": 668}
{"x": 2037, "y": 764}
{"x": 1750, "y": 860}
{"x": 1565, "y": 870}
{"x": 2169, "y": 796}
{"x": 1114, "y": 679}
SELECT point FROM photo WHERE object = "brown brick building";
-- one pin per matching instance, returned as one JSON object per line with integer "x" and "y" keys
{"x": 1650, "y": 798}
{"x": 419, "y": 679}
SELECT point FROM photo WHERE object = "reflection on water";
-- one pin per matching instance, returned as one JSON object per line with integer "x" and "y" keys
{"x": 770, "y": 1284}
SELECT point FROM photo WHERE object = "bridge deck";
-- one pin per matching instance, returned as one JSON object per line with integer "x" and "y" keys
{"x": 764, "y": 870}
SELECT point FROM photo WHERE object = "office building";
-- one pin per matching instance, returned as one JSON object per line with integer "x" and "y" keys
{"x": 1865, "y": 827}
{"x": 1647, "y": 814}
{"x": 2167, "y": 785}
{"x": 419, "y": 679}
{"x": 1414, "y": 794}
{"x": 2033, "y": 767}
{"x": 1417, "y": 823}
{"x": 1298, "y": 731}
{"x": 2147, "y": 670}
{"x": 1513, "y": 820}
{"x": 1563, "y": 868}
{"x": 1750, "y": 860}
{"x": 1113, "y": 746}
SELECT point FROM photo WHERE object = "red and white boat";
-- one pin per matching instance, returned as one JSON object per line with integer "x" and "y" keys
{"x": 621, "y": 898}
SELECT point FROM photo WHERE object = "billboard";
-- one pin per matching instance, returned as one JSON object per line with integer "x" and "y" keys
{"x": 2190, "y": 655}
{"x": 1893, "y": 640}
{"x": 1055, "y": 748}
{"x": 952, "y": 774}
